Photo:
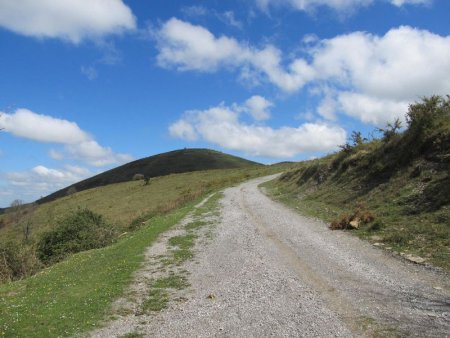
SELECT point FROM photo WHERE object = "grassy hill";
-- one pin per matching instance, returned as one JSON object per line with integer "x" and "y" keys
{"x": 124, "y": 207}
{"x": 178, "y": 161}
{"x": 401, "y": 179}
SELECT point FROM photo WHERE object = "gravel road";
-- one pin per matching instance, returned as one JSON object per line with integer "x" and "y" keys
{"x": 269, "y": 272}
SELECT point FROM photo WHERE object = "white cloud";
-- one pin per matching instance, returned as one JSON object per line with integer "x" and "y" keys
{"x": 337, "y": 5}
{"x": 184, "y": 130}
{"x": 372, "y": 110}
{"x": 221, "y": 125}
{"x": 258, "y": 107}
{"x": 189, "y": 47}
{"x": 194, "y": 10}
{"x": 185, "y": 47}
{"x": 72, "y": 20}
{"x": 90, "y": 72}
{"x": 91, "y": 152}
{"x": 400, "y": 3}
{"x": 43, "y": 128}
{"x": 40, "y": 180}
{"x": 373, "y": 77}
{"x": 229, "y": 18}
{"x": 56, "y": 155}
{"x": 403, "y": 65}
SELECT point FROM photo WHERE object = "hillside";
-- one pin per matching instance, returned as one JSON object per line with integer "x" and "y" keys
{"x": 173, "y": 162}
{"x": 401, "y": 179}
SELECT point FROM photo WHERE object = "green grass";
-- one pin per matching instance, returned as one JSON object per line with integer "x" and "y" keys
{"x": 195, "y": 225}
{"x": 157, "y": 300}
{"x": 74, "y": 295}
{"x": 172, "y": 281}
{"x": 183, "y": 242}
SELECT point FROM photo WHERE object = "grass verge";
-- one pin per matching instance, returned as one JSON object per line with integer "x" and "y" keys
{"x": 74, "y": 295}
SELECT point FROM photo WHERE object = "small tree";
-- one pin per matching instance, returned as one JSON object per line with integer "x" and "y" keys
{"x": 391, "y": 129}
{"x": 357, "y": 138}
{"x": 15, "y": 210}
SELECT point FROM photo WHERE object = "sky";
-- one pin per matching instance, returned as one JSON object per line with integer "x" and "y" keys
{"x": 87, "y": 85}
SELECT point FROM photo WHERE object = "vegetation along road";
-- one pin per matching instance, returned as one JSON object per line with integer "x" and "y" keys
{"x": 267, "y": 271}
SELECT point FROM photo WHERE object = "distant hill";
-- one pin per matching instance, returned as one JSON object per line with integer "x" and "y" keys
{"x": 173, "y": 162}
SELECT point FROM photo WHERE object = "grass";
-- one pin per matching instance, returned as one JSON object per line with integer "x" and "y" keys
{"x": 124, "y": 202}
{"x": 157, "y": 300}
{"x": 163, "y": 289}
{"x": 183, "y": 242}
{"x": 195, "y": 225}
{"x": 173, "y": 281}
{"x": 74, "y": 295}
{"x": 417, "y": 234}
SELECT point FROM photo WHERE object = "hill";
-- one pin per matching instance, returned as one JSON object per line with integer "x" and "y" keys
{"x": 402, "y": 180}
{"x": 173, "y": 162}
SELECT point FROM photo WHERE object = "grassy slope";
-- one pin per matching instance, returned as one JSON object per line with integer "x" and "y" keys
{"x": 178, "y": 161}
{"x": 404, "y": 182}
{"x": 123, "y": 202}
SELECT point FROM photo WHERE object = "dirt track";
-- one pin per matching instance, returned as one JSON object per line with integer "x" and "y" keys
{"x": 269, "y": 272}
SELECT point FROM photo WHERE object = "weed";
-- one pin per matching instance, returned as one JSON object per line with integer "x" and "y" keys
{"x": 195, "y": 225}
{"x": 183, "y": 242}
{"x": 171, "y": 282}
{"x": 157, "y": 300}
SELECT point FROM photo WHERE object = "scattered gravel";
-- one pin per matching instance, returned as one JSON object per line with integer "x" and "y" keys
{"x": 269, "y": 272}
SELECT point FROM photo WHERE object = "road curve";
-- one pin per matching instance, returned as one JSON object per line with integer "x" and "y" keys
{"x": 269, "y": 272}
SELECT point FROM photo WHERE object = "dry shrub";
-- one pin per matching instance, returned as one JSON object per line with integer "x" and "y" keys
{"x": 353, "y": 221}
{"x": 17, "y": 261}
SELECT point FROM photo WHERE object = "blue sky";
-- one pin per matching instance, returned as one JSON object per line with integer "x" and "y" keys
{"x": 87, "y": 85}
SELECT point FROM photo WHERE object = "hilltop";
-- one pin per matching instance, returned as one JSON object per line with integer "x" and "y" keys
{"x": 402, "y": 180}
{"x": 173, "y": 162}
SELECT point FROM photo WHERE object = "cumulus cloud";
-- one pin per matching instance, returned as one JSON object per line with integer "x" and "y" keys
{"x": 221, "y": 125}
{"x": 43, "y": 128}
{"x": 72, "y": 20}
{"x": 188, "y": 47}
{"x": 40, "y": 180}
{"x": 258, "y": 107}
{"x": 403, "y": 65}
{"x": 338, "y": 5}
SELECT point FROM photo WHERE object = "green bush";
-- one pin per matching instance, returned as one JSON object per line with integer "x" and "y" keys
{"x": 80, "y": 231}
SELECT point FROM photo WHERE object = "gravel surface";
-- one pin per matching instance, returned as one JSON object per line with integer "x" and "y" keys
{"x": 269, "y": 272}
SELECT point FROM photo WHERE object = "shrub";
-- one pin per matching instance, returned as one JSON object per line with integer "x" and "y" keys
{"x": 80, "y": 231}
{"x": 360, "y": 215}
{"x": 17, "y": 261}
